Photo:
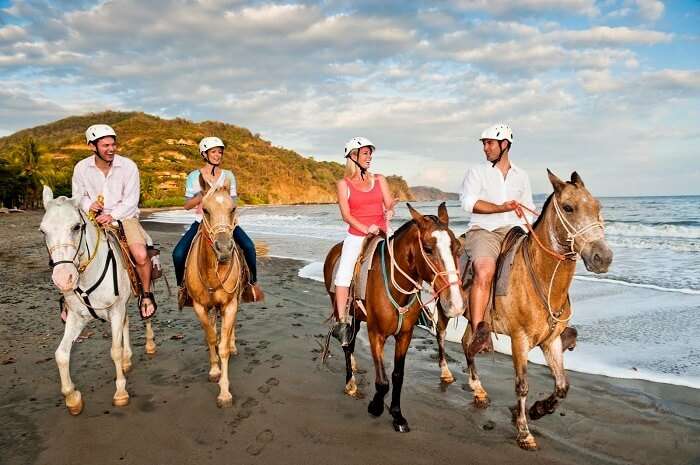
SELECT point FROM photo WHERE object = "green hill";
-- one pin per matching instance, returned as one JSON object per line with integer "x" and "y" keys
{"x": 166, "y": 150}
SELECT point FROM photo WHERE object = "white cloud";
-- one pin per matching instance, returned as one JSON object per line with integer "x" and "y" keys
{"x": 509, "y": 7}
{"x": 651, "y": 10}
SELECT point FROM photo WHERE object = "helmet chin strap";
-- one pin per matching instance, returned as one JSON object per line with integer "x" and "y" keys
{"x": 500, "y": 155}
{"x": 213, "y": 165}
{"x": 362, "y": 169}
{"x": 97, "y": 153}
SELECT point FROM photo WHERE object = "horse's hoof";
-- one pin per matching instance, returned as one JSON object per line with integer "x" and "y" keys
{"x": 481, "y": 402}
{"x": 376, "y": 409}
{"x": 225, "y": 402}
{"x": 351, "y": 389}
{"x": 447, "y": 379}
{"x": 151, "y": 349}
{"x": 527, "y": 443}
{"x": 214, "y": 377}
{"x": 401, "y": 427}
{"x": 74, "y": 403}
{"x": 121, "y": 401}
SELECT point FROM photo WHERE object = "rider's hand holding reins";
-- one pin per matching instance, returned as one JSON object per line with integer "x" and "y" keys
{"x": 373, "y": 229}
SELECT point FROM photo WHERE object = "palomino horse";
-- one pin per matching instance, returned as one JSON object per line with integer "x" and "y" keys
{"x": 213, "y": 276}
{"x": 423, "y": 249}
{"x": 88, "y": 270}
{"x": 537, "y": 308}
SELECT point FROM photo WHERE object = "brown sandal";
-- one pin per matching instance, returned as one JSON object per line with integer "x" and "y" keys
{"x": 152, "y": 299}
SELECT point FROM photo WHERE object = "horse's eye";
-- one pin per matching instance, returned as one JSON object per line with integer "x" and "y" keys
{"x": 206, "y": 212}
{"x": 568, "y": 209}
{"x": 76, "y": 228}
{"x": 428, "y": 249}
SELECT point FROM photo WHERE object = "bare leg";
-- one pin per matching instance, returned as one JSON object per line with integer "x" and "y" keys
{"x": 73, "y": 398}
{"x": 381, "y": 383}
{"x": 143, "y": 268}
{"x": 225, "y": 399}
{"x": 445, "y": 373}
{"x": 341, "y": 302}
{"x": 126, "y": 355}
{"x": 480, "y": 290}
{"x": 402, "y": 342}
{"x": 210, "y": 340}
{"x": 554, "y": 355}
{"x": 481, "y": 397}
{"x": 520, "y": 349}
{"x": 121, "y": 396}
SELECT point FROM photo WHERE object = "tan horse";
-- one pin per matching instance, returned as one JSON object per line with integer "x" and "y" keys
{"x": 213, "y": 276}
{"x": 423, "y": 249}
{"x": 537, "y": 308}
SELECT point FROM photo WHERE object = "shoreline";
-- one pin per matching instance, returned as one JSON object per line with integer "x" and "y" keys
{"x": 287, "y": 407}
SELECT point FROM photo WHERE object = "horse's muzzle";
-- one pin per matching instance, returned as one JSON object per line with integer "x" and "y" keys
{"x": 223, "y": 247}
{"x": 597, "y": 256}
{"x": 65, "y": 277}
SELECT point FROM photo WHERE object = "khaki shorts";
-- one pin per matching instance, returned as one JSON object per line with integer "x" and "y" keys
{"x": 134, "y": 231}
{"x": 479, "y": 242}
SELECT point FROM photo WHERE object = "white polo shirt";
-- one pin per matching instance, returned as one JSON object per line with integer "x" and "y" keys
{"x": 120, "y": 188}
{"x": 485, "y": 182}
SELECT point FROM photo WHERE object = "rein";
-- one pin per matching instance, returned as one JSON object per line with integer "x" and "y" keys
{"x": 84, "y": 295}
{"x": 207, "y": 232}
{"x": 573, "y": 255}
{"x": 417, "y": 287}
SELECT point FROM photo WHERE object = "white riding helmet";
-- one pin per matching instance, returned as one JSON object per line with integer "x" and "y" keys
{"x": 498, "y": 132}
{"x": 358, "y": 143}
{"x": 97, "y": 131}
{"x": 209, "y": 143}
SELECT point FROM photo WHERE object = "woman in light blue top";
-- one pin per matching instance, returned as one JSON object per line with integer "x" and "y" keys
{"x": 212, "y": 151}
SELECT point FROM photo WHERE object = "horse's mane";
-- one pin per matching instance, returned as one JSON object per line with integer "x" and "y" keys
{"x": 406, "y": 226}
{"x": 544, "y": 209}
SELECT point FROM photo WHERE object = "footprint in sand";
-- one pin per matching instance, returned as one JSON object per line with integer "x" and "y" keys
{"x": 265, "y": 388}
{"x": 262, "y": 439}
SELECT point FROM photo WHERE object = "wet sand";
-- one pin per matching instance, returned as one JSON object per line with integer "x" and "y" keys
{"x": 289, "y": 409}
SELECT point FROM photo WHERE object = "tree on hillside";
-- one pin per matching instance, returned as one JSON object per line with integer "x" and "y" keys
{"x": 30, "y": 169}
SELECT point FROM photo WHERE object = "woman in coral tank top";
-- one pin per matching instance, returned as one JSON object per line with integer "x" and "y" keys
{"x": 366, "y": 206}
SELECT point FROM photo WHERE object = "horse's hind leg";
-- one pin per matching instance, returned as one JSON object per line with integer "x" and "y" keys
{"x": 481, "y": 397}
{"x": 519, "y": 346}
{"x": 554, "y": 355}
{"x": 381, "y": 383}
{"x": 126, "y": 355}
{"x": 210, "y": 340}
{"x": 73, "y": 398}
{"x": 445, "y": 373}
{"x": 402, "y": 342}
{"x": 351, "y": 364}
{"x": 121, "y": 396}
{"x": 150, "y": 339}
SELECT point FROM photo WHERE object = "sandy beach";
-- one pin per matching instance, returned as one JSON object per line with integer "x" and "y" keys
{"x": 288, "y": 408}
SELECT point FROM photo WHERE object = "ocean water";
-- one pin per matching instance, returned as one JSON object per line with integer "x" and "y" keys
{"x": 639, "y": 320}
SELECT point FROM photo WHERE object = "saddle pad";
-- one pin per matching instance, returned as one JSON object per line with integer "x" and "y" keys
{"x": 364, "y": 261}
{"x": 510, "y": 246}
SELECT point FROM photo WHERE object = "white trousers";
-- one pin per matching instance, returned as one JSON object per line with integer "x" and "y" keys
{"x": 352, "y": 246}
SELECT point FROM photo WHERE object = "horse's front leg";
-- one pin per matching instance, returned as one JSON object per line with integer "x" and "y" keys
{"x": 209, "y": 339}
{"x": 150, "y": 339}
{"x": 520, "y": 348}
{"x": 117, "y": 320}
{"x": 381, "y": 383}
{"x": 403, "y": 340}
{"x": 73, "y": 398}
{"x": 351, "y": 364}
{"x": 233, "y": 348}
{"x": 481, "y": 397}
{"x": 228, "y": 318}
{"x": 127, "y": 354}
{"x": 441, "y": 329}
{"x": 553, "y": 353}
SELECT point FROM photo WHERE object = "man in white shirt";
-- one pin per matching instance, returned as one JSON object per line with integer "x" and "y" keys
{"x": 108, "y": 185}
{"x": 491, "y": 191}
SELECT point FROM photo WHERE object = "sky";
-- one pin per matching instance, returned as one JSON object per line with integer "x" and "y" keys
{"x": 608, "y": 88}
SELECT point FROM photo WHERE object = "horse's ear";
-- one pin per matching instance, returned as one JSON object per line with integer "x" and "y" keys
{"x": 576, "y": 179}
{"x": 557, "y": 183}
{"x": 204, "y": 185}
{"x": 442, "y": 214}
{"x": 47, "y": 196}
{"x": 414, "y": 213}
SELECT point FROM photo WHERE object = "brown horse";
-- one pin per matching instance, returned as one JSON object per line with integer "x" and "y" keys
{"x": 213, "y": 276}
{"x": 424, "y": 249}
{"x": 537, "y": 308}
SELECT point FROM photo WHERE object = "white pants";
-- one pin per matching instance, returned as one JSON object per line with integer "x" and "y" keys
{"x": 352, "y": 246}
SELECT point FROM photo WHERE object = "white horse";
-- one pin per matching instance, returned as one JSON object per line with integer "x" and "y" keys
{"x": 88, "y": 270}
